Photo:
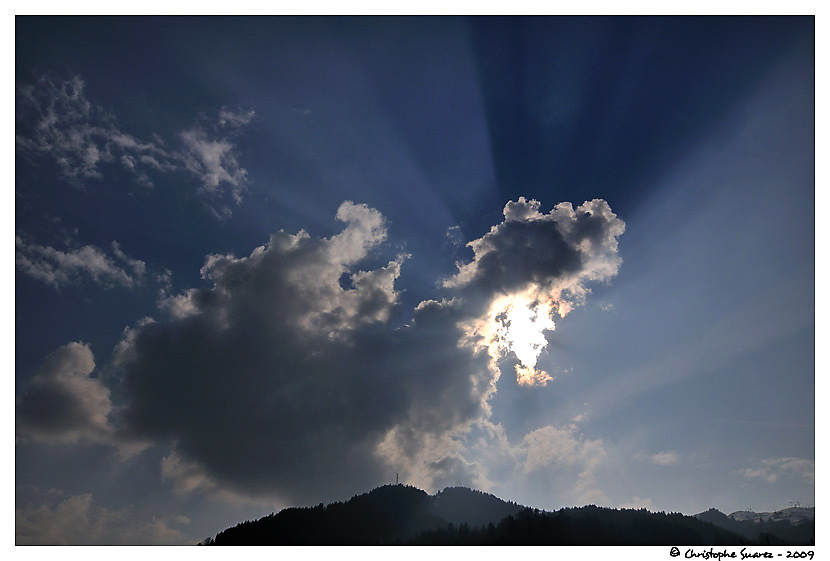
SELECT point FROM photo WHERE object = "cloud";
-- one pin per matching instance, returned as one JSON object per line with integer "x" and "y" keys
{"x": 454, "y": 236}
{"x": 280, "y": 369}
{"x": 555, "y": 253}
{"x": 637, "y": 503}
{"x": 286, "y": 365}
{"x": 294, "y": 363}
{"x": 481, "y": 454}
{"x": 214, "y": 162}
{"x": 56, "y": 119}
{"x": 235, "y": 118}
{"x": 59, "y": 268}
{"x": 549, "y": 447}
{"x": 288, "y": 359}
{"x": 185, "y": 475}
{"x": 773, "y": 468}
{"x": 62, "y": 403}
{"x": 668, "y": 458}
{"x": 434, "y": 457}
{"x": 78, "y": 520}
{"x": 72, "y": 519}
{"x": 530, "y": 267}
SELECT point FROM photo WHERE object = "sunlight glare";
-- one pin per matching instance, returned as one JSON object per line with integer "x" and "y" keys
{"x": 517, "y": 325}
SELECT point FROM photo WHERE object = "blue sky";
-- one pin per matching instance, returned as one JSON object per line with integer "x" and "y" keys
{"x": 264, "y": 262}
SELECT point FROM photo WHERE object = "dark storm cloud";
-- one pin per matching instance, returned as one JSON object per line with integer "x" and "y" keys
{"x": 277, "y": 376}
{"x": 554, "y": 253}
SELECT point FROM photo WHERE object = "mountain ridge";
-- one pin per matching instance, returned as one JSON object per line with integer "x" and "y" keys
{"x": 406, "y": 515}
{"x": 794, "y": 515}
{"x": 794, "y": 524}
{"x": 386, "y": 514}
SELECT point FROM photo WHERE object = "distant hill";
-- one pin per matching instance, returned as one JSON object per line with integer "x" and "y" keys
{"x": 793, "y": 515}
{"x": 406, "y": 515}
{"x": 790, "y": 526}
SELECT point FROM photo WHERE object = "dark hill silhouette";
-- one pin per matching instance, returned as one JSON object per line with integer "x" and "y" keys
{"x": 406, "y": 515}
{"x": 459, "y": 505}
{"x": 385, "y": 515}
{"x": 588, "y": 525}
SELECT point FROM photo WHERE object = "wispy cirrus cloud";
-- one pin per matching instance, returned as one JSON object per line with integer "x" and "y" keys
{"x": 56, "y": 119}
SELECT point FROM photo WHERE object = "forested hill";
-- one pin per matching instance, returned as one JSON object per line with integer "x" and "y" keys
{"x": 405, "y": 515}
{"x": 391, "y": 514}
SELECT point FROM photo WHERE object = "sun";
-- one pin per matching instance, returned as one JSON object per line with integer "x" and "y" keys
{"x": 517, "y": 324}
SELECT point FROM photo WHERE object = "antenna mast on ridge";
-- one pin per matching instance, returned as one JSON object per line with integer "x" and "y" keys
{"x": 396, "y": 479}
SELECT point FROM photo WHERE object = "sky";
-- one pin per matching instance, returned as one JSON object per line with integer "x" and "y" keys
{"x": 275, "y": 261}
